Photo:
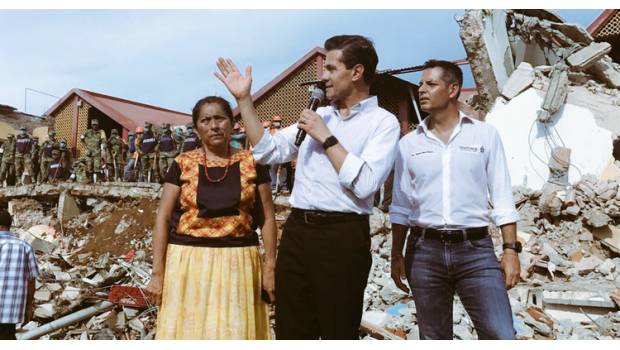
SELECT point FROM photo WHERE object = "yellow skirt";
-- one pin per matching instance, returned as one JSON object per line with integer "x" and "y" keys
{"x": 212, "y": 293}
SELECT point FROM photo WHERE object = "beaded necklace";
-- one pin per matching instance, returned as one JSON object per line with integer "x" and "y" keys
{"x": 225, "y": 170}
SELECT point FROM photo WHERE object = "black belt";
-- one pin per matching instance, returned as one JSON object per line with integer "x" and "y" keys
{"x": 325, "y": 217}
{"x": 451, "y": 236}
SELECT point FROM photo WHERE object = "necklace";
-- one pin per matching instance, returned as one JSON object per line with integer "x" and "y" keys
{"x": 225, "y": 170}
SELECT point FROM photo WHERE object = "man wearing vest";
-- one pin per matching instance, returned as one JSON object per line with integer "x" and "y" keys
{"x": 128, "y": 171}
{"x": 167, "y": 147}
{"x": 116, "y": 145}
{"x": 23, "y": 162}
{"x": 190, "y": 142}
{"x": 46, "y": 155}
{"x": 146, "y": 150}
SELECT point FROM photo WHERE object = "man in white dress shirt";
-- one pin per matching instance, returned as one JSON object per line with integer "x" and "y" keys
{"x": 324, "y": 255}
{"x": 445, "y": 172}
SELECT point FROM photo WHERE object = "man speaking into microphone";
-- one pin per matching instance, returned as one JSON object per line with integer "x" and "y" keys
{"x": 324, "y": 255}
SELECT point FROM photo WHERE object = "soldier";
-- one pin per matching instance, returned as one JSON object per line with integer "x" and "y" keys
{"x": 80, "y": 171}
{"x": 57, "y": 169}
{"x": 46, "y": 155}
{"x": 146, "y": 150}
{"x": 116, "y": 145}
{"x": 8, "y": 159}
{"x": 190, "y": 142}
{"x": 34, "y": 155}
{"x": 94, "y": 139}
{"x": 23, "y": 162}
{"x": 168, "y": 150}
{"x": 128, "y": 172}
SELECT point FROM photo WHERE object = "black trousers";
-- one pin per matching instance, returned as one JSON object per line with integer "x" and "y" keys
{"x": 7, "y": 331}
{"x": 321, "y": 273}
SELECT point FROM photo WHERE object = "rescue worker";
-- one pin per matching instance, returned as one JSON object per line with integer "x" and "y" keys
{"x": 128, "y": 171}
{"x": 168, "y": 150}
{"x": 94, "y": 139}
{"x": 57, "y": 170}
{"x": 45, "y": 157}
{"x": 116, "y": 145}
{"x": 23, "y": 162}
{"x": 146, "y": 150}
{"x": 8, "y": 159}
{"x": 190, "y": 142}
{"x": 35, "y": 151}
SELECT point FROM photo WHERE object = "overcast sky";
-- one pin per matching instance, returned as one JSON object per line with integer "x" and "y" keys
{"x": 167, "y": 58}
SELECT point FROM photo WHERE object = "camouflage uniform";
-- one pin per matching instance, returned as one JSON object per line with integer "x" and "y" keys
{"x": 146, "y": 149}
{"x": 8, "y": 158}
{"x": 93, "y": 139}
{"x": 115, "y": 144}
{"x": 80, "y": 171}
{"x": 128, "y": 172}
{"x": 168, "y": 150}
{"x": 34, "y": 155}
{"x": 23, "y": 162}
{"x": 57, "y": 169}
{"x": 46, "y": 156}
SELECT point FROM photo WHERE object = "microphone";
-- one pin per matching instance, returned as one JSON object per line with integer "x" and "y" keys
{"x": 316, "y": 98}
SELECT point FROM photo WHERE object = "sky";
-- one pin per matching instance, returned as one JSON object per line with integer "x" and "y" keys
{"x": 167, "y": 57}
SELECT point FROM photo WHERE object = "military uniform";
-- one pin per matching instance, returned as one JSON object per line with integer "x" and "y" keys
{"x": 80, "y": 171}
{"x": 128, "y": 172}
{"x": 23, "y": 161}
{"x": 168, "y": 150}
{"x": 46, "y": 156}
{"x": 116, "y": 144}
{"x": 146, "y": 149}
{"x": 34, "y": 155}
{"x": 57, "y": 169}
{"x": 93, "y": 139}
{"x": 8, "y": 158}
{"x": 190, "y": 142}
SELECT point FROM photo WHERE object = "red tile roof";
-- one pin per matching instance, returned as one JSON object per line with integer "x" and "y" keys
{"x": 129, "y": 114}
{"x": 600, "y": 21}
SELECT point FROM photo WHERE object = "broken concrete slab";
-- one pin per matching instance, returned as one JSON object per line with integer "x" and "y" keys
{"x": 609, "y": 236}
{"x": 520, "y": 80}
{"x": 589, "y": 54}
{"x": 67, "y": 207}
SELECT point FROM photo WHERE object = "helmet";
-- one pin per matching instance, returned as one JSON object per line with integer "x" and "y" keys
{"x": 139, "y": 130}
{"x": 276, "y": 118}
{"x": 94, "y": 121}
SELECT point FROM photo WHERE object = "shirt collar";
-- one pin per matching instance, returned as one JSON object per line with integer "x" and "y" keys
{"x": 424, "y": 125}
{"x": 6, "y": 233}
{"x": 370, "y": 102}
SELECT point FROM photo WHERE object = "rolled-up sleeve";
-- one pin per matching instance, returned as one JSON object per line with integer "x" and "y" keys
{"x": 500, "y": 188}
{"x": 364, "y": 174}
{"x": 277, "y": 148}
{"x": 402, "y": 204}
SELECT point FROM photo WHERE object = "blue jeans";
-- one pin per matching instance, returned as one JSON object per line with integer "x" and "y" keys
{"x": 435, "y": 270}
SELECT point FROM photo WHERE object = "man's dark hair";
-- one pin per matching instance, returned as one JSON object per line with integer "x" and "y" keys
{"x": 212, "y": 99}
{"x": 356, "y": 49}
{"x": 5, "y": 218}
{"x": 452, "y": 73}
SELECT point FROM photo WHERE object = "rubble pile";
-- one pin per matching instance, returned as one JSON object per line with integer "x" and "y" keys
{"x": 106, "y": 244}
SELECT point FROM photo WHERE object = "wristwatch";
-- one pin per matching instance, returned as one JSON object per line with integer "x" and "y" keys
{"x": 330, "y": 141}
{"x": 516, "y": 246}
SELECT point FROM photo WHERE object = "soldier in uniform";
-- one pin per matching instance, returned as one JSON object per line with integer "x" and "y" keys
{"x": 128, "y": 172}
{"x": 8, "y": 159}
{"x": 80, "y": 171}
{"x": 116, "y": 145}
{"x": 23, "y": 162}
{"x": 94, "y": 140}
{"x": 146, "y": 150}
{"x": 57, "y": 169}
{"x": 35, "y": 152}
{"x": 168, "y": 150}
{"x": 46, "y": 155}
{"x": 190, "y": 142}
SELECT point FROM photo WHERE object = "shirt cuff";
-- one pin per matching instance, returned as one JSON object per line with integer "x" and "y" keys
{"x": 349, "y": 170}
{"x": 505, "y": 217}
{"x": 399, "y": 215}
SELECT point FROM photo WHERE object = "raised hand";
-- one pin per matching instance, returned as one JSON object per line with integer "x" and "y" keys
{"x": 238, "y": 84}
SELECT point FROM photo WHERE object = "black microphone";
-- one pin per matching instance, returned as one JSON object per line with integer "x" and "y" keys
{"x": 316, "y": 99}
